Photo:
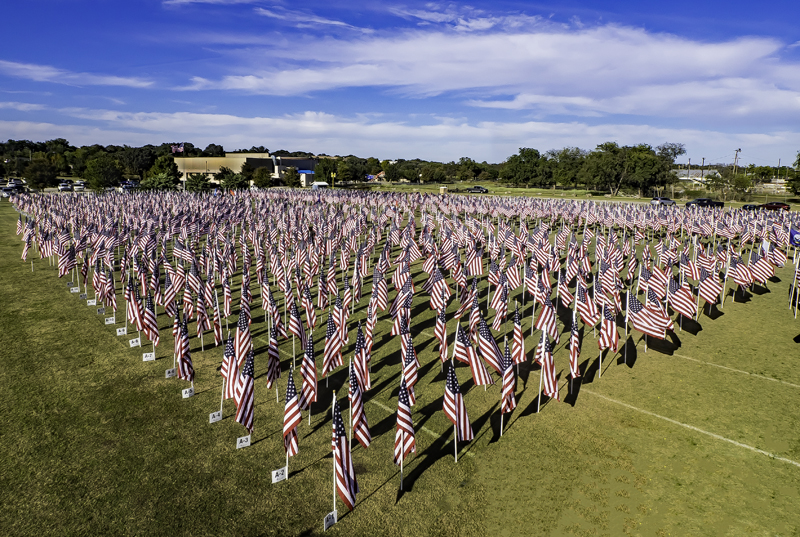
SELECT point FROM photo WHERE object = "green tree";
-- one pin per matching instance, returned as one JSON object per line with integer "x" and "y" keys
{"x": 235, "y": 181}
{"x": 262, "y": 178}
{"x": 566, "y": 164}
{"x": 432, "y": 173}
{"x": 292, "y": 179}
{"x": 324, "y": 168}
{"x": 214, "y": 150}
{"x": 391, "y": 170}
{"x": 198, "y": 182}
{"x": 247, "y": 170}
{"x": 39, "y": 174}
{"x": 161, "y": 181}
{"x": 165, "y": 164}
{"x": 102, "y": 172}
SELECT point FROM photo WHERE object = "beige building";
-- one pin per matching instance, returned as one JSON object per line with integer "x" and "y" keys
{"x": 211, "y": 165}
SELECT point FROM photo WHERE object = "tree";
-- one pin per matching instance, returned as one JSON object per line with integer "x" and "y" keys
{"x": 262, "y": 178}
{"x": 526, "y": 167}
{"x": 214, "y": 150}
{"x": 198, "y": 182}
{"x": 670, "y": 151}
{"x": 41, "y": 174}
{"x": 433, "y": 174}
{"x": 566, "y": 164}
{"x": 235, "y": 181}
{"x": 161, "y": 181}
{"x": 324, "y": 168}
{"x": 102, "y": 172}
{"x": 391, "y": 170}
{"x": 292, "y": 179}
{"x": 137, "y": 160}
{"x": 165, "y": 164}
{"x": 247, "y": 170}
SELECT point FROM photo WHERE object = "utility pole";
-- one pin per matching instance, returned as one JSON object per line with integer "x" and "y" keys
{"x": 702, "y": 169}
{"x": 736, "y": 161}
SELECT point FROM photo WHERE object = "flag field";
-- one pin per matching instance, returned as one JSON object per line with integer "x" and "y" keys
{"x": 691, "y": 437}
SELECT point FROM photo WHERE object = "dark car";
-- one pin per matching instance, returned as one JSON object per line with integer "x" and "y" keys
{"x": 661, "y": 201}
{"x": 477, "y": 190}
{"x": 775, "y": 206}
{"x": 704, "y": 202}
{"x": 749, "y": 207}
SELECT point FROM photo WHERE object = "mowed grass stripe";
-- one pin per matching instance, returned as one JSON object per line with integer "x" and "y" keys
{"x": 693, "y": 428}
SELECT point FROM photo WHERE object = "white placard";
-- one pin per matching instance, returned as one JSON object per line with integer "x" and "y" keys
{"x": 149, "y": 357}
{"x": 279, "y": 474}
{"x": 91, "y": 302}
{"x": 75, "y": 290}
{"x": 135, "y": 342}
{"x": 243, "y": 441}
{"x": 111, "y": 320}
{"x": 214, "y": 417}
{"x": 101, "y": 311}
{"x": 122, "y": 331}
{"x": 330, "y": 520}
{"x": 169, "y": 373}
{"x": 82, "y": 296}
{"x": 187, "y": 393}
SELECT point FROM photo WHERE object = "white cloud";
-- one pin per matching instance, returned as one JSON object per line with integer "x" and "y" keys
{"x": 22, "y": 107}
{"x": 305, "y": 20}
{"x": 47, "y": 73}
{"x": 549, "y": 68}
{"x": 438, "y": 139}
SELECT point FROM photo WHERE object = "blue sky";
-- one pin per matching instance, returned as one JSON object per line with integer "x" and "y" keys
{"x": 404, "y": 80}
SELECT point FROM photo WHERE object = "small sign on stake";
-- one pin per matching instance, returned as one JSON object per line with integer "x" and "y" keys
{"x": 243, "y": 441}
{"x": 91, "y": 302}
{"x": 122, "y": 331}
{"x": 279, "y": 475}
{"x": 75, "y": 290}
{"x": 82, "y": 296}
{"x": 70, "y": 284}
{"x": 101, "y": 311}
{"x": 111, "y": 320}
{"x": 149, "y": 357}
{"x": 330, "y": 520}
{"x": 187, "y": 393}
{"x": 169, "y": 373}
{"x": 134, "y": 342}
{"x": 214, "y": 417}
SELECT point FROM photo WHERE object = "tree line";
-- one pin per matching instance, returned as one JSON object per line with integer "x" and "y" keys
{"x": 610, "y": 167}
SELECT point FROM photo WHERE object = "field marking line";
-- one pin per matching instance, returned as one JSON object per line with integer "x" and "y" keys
{"x": 693, "y": 428}
{"x": 737, "y": 370}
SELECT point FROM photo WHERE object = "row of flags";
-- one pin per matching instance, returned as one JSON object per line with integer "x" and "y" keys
{"x": 332, "y": 242}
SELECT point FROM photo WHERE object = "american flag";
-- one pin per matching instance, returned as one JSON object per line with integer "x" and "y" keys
{"x": 291, "y": 418}
{"x": 296, "y": 323}
{"x": 681, "y": 299}
{"x": 185, "y": 369}
{"x": 454, "y": 407}
{"x": 379, "y": 290}
{"x": 243, "y": 395}
{"x": 410, "y": 371}
{"x": 546, "y": 321}
{"x": 149, "y": 321}
{"x": 761, "y": 269}
{"x": 545, "y": 353}
{"x": 308, "y": 370}
{"x": 274, "y": 363}
{"x": 464, "y": 352}
{"x": 709, "y": 287}
{"x": 574, "y": 349}
{"x": 346, "y": 484}
{"x": 518, "y": 343}
{"x": 244, "y": 340}
{"x": 507, "y": 399}
{"x": 440, "y": 332}
{"x": 360, "y": 425}
{"x": 488, "y": 348}
{"x": 333, "y": 348}
{"x": 308, "y": 305}
{"x": 229, "y": 369}
{"x": 609, "y": 337}
{"x": 134, "y": 307}
{"x": 361, "y": 360}
{"x": 404, "y": 439}
{"x": 586, "y": 307}
{"x": 642, "y": 319}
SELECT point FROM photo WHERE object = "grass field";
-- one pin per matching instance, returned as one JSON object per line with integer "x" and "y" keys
{"x": 700, "y": 435}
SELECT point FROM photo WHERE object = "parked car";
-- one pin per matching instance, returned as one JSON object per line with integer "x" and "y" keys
{"x": 477, "y": 190}
{"x": 775, "y": 206}
{"x": 6, "y": 192}
{"x": 64, "y": 187}
{"x": 704, "y": 202}
{"x": 78, "y": 187}
{"x": 661, "y": 201}
{"x": 749, "y": 207}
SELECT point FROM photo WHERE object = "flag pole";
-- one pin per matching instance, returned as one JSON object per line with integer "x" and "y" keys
{"x": 541, "y": 372}
{"x": 402, "y": 455}
{"x": 334, "y": 455}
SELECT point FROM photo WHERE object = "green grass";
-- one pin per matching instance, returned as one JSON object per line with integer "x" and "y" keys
{"x": 94, "y": 441}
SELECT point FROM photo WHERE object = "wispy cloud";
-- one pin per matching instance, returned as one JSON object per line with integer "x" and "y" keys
{"x": 22, "y": 107}
{"x": 304, "y": 20}
{"x": 47, "y": 73}
{"x": 595, "y": 71}
{"x": 220, "y": 2}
